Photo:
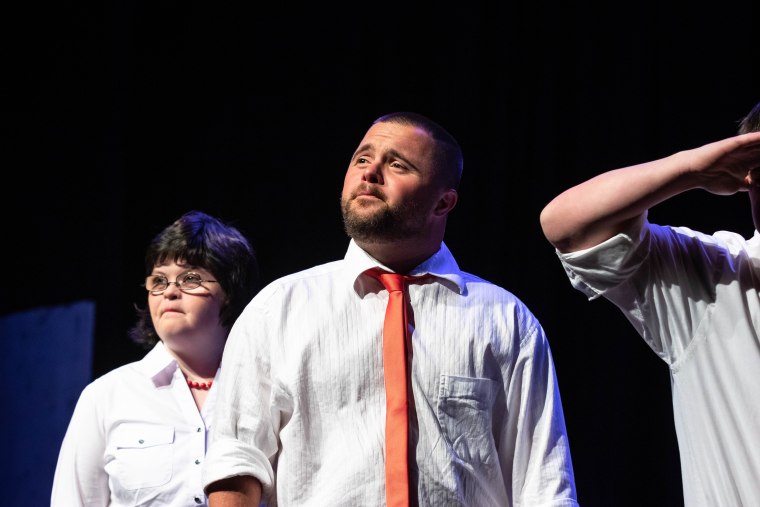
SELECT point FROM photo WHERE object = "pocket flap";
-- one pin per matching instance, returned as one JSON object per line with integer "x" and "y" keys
{"x": 141, "y": 435}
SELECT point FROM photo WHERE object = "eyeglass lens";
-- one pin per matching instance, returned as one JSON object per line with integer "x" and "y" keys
{"x": 185, "y": 281}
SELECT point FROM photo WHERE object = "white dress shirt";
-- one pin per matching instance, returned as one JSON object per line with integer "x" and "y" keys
{"x": 694, "y": 300}
{"x": 301, "y": 402}
{"x": 135, "y": 438}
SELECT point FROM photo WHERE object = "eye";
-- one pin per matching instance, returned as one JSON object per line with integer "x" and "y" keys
{"x": 190, "y": 280}
{"x": 156, "y": 282}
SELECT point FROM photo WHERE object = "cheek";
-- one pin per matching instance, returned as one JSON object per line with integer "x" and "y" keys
{"x": 153, "y": 303}
{"x": 348, "y": 184}
{"x": 209, "y": 312}
{"x": 420, "y": 197}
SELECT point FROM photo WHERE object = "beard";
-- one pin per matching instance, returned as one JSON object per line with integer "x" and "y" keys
{"x": 387, "y": 223}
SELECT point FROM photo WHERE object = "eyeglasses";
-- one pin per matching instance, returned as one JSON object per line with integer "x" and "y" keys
{"x": 157, "y": 284}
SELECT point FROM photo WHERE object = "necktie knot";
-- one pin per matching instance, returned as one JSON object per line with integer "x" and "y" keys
{"x": 392, "y": 281}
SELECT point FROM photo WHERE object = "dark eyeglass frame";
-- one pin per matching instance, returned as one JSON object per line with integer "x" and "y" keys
{"x": 181, "y": 282}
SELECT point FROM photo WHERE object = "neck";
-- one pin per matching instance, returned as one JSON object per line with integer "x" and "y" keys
{"x": 199, "y": 360}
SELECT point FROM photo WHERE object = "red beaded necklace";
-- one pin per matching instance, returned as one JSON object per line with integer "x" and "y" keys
{"x": 200, "y": 385}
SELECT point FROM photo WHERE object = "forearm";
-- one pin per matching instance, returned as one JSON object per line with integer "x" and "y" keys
{"x": 597, "y": 209}
{"x": 240, "y": 491}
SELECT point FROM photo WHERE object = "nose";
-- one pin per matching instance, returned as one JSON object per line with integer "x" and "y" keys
{"x": 172, "y": 291}
{"x": 373, "y": 173}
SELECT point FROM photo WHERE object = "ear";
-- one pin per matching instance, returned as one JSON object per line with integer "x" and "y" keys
{"x": 446, "y": 202}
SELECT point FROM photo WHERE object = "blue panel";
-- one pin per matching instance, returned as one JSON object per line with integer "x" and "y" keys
{"x": 46, "y": 360}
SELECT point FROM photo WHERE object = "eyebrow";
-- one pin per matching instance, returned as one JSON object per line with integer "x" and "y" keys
{"x": 396, "y": 154}
{"x": 391, "y": 153}
{"x": 363, "y": 147}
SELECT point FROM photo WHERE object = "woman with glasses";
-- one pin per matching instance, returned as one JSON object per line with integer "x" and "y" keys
{"x": 139, "y": 433}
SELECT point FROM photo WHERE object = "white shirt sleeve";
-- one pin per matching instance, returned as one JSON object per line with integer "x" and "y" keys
{"x": 80, "y": 478}
{"x": 243, "y": 439}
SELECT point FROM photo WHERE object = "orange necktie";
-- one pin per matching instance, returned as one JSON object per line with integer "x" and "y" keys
{"x": 397, "y": 406}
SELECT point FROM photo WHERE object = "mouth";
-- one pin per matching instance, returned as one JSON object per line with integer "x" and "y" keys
{"x": 362, "y": 197}
{"x": 367, "y": 191}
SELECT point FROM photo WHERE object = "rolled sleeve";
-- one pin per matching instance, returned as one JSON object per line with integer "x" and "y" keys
{"x": 596, "y": 270}
{"x": 243, "y": 441}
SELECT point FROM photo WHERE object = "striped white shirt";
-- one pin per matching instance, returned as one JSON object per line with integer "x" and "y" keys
{"x": 302, "y": 404}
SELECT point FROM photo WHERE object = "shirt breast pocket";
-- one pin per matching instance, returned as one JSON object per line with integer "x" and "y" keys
{"x": 142, "y": 455}
{"x": 465, "y": 415}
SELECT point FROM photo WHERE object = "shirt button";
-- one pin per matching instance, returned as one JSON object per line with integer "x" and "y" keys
{"x": 197, "y": 500}
{"x": 198, "y": 430}
{"x": 197, "y": 462}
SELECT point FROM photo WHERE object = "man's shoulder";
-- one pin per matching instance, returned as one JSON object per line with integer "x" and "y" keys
{"x": 321, "y": 273}
{"x": 481, "y": 287}
{"x": 320, "y": 270}
{"x": 723, "y": 239}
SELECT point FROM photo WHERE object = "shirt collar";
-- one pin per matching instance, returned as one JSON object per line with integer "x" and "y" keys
{"x": 158, "y": 365}
{"x": 440, "y": 265}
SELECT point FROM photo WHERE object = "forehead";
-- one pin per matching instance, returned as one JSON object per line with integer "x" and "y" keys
{"x": 177, "y": 267}
{"x": 407, "y": 139}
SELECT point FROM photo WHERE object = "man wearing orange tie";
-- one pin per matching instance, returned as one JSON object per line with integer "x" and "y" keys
{"x": 390, "y": 377}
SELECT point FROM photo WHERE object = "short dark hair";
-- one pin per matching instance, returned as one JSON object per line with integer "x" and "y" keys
{"x": 448, "y": 158}
{"x": 751, "y": 122}
{"x": 204, "y": 241}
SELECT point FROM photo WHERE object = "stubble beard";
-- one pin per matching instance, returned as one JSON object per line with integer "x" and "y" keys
{"x": 381, "y": 225}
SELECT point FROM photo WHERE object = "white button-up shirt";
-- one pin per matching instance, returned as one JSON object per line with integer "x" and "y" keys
{"x": 135, "y": 438}
{"x": 301, "y": 402}
{"x": 694, "y": 299}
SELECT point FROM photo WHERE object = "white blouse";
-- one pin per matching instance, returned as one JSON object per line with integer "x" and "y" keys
{"x": 135, "y": 438}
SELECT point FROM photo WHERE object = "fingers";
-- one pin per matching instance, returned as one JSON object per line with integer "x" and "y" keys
{"x": 753, "y": 177}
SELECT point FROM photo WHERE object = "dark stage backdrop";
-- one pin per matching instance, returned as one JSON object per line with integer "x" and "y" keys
{"x": 121, "y": 116}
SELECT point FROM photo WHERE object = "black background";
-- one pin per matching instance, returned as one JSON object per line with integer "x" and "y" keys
{"x": 121, "y": 116}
